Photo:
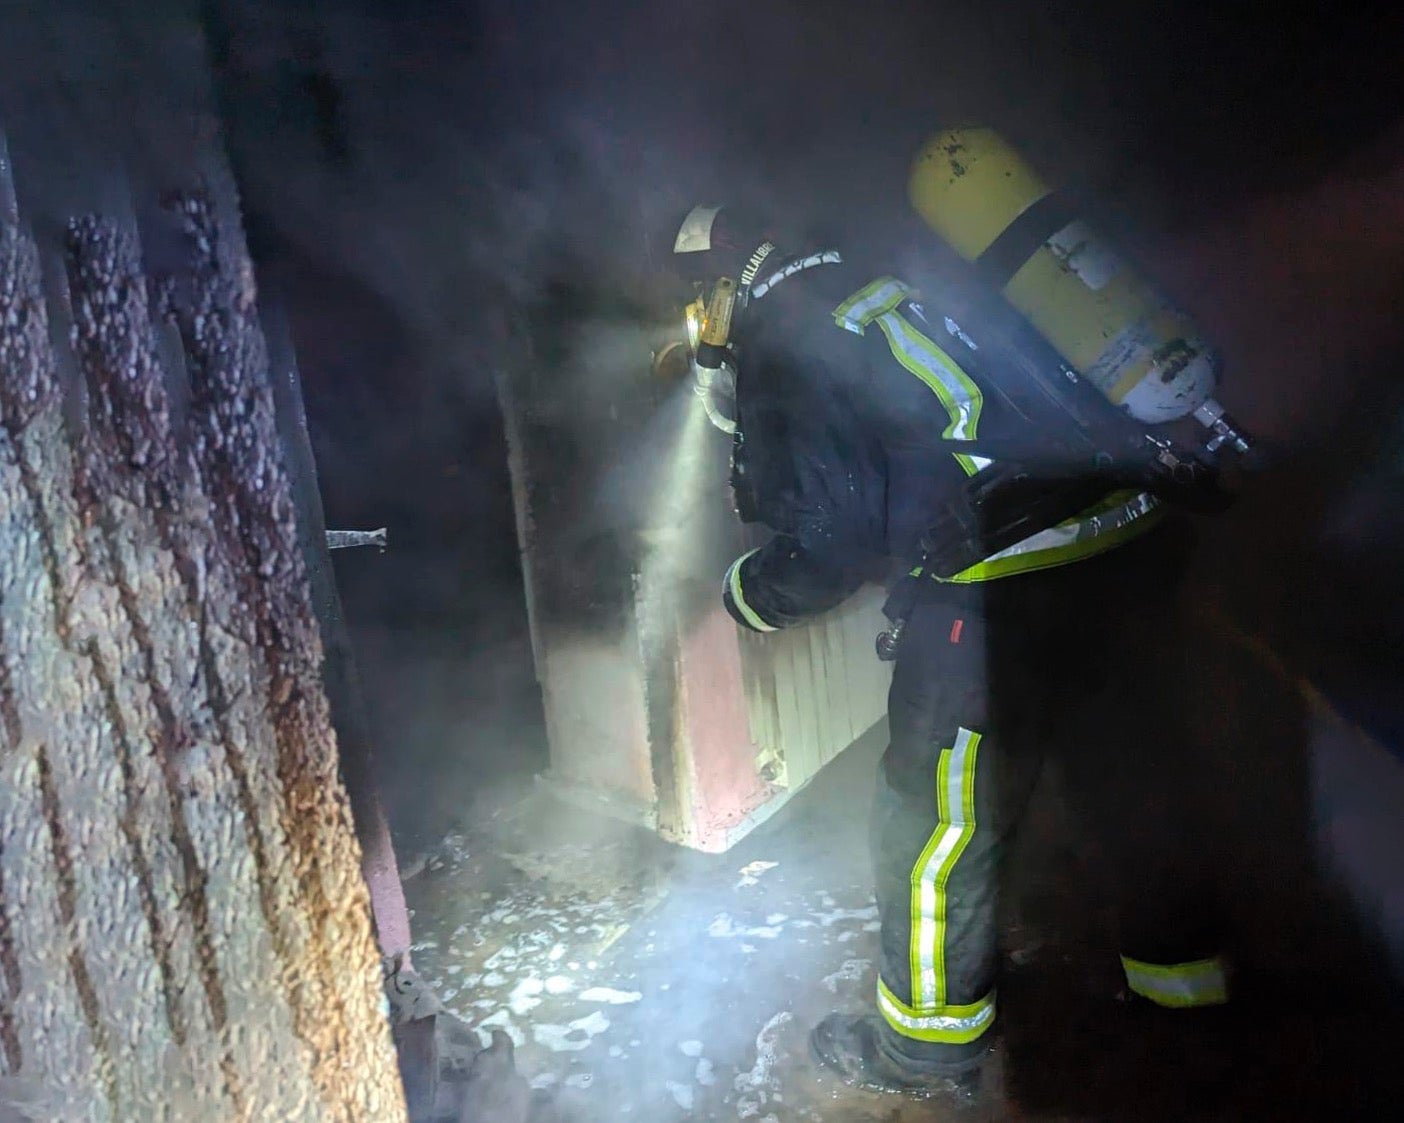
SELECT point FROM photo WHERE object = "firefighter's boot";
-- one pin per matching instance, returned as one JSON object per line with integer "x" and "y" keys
{"x": 856, "y": 1049}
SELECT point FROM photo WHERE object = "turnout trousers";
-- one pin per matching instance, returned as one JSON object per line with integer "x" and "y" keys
{"x": 1088, "y": 660}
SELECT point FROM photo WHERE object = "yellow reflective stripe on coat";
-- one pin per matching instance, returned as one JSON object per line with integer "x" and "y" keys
{"x": 919, "y": 355}
{"x": 950, "y": 1025}
{"x": 870, "y": 302}
{"x": 733, "y": 585}
{"x": 1119, "y": 518}
{"x": 1116, "y": 520}
{"x": 955, "y": 825}
{"x": 1204, "y": 982}
{"x": 958, "y": 394}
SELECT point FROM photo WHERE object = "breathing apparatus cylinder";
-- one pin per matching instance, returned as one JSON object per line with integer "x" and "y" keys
{"x": 1105, "y": 320}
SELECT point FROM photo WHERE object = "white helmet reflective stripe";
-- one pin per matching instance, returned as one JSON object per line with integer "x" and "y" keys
{"x": 695, "y": 234}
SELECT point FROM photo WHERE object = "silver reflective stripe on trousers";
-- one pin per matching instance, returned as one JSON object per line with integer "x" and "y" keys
{"x": 1204, "y": 982}
{"x": 942, "y": 1023}
{"x": 955, "y": 826}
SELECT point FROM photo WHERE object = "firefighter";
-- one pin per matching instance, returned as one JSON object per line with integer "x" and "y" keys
{"x": 859, "y": 409}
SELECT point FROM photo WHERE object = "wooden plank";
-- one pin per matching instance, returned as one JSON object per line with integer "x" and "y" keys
{"x": 823, "y": 688}
{"x": 144, "y": 978}
{"x": 836, "y": 661}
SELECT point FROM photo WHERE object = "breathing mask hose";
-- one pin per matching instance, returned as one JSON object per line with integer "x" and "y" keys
{"x": 713, "y": 385}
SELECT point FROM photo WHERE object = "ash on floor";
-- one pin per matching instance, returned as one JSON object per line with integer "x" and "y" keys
{"x": 643, "y": 982}
{"x": 639, "y": 981}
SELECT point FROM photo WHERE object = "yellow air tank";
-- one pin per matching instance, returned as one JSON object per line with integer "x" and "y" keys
{"x": 1106, "y": 321}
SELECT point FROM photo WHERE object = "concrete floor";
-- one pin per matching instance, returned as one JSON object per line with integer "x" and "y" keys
{"x": 648, "y": 983}
{"x": 644, "y": 982}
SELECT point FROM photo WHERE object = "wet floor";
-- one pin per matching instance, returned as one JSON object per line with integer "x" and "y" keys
{"x": 643, "y": 982}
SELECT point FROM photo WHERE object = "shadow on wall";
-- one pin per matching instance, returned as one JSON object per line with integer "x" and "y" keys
{"x": 437, "y": 620}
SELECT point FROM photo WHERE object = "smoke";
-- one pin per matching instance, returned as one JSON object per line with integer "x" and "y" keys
{"x": 442, "y": 188}
{"x": 464, "y": 161}
{"x": 495, "y": 179}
